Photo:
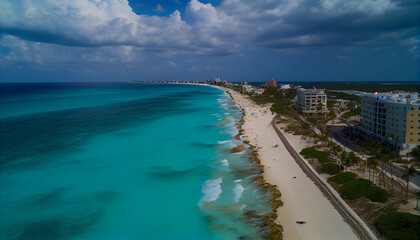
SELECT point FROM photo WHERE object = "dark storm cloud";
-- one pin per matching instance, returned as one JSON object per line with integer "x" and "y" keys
{"x": 206, "y": 29}
{"x": 306, "y": 27}
{"x": 84, "y": 36}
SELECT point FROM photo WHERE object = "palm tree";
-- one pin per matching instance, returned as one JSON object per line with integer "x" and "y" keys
{"x": 351, "y": 159}
{"x": 418, "y": 199}
{"x": 409, "y": 172}
{"x": 343, "y": 157}
{"x": 360, "y": 151}
{"x": 416, "y": 154}
{"x": 372, "y": 163}
{"x": 394, "y": 156}
{"x": 385, "y": 156}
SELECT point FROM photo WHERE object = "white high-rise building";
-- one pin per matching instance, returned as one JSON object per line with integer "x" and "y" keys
{"x": 311, "y": 100}
{"x": 392, "y": 117}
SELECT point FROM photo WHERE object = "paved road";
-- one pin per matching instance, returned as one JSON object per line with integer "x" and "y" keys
{"x": 398, "y": 171}
{"x": 357, "y": 226}
{"x": 337, "y": 134}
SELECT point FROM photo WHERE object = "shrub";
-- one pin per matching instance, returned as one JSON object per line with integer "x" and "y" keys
{"x": 330, "y": 168}
{"x": 311, "y": 152}
{"x": 342, "y": 178}
{"x": 399, "y": 225}
{"x": 377, "y": 194}
{"x": 363, "y": 188}
{"x": 355, "y": 189}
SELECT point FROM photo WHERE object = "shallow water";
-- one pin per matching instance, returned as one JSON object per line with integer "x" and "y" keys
{"x": 123, "y": 161}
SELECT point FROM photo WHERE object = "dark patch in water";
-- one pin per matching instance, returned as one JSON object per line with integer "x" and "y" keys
{"x": 49, "y": 198}
{"x": 24, "y": 139}
{"x": 204, "y": 145}
{"x": 53, "y": 216}
{"x": 208, "y": 127}
{"x": 170, "y": 171}
{"x": 56, "y": 227}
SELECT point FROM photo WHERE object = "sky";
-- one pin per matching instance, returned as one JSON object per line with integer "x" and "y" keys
{"x": 195, "y": 40}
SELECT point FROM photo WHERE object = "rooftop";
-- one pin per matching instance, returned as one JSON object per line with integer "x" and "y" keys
{"x": 397, "y": 97}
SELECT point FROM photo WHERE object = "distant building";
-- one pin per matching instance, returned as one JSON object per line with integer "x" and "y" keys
{"x": 392, "y": 117}
{"x": 272, "y": 83}
{"x": 285, "y": 86}
{"x": 311, "y": 100}
{"x": 248, "y": 88}
{"x": 245, "y": 88}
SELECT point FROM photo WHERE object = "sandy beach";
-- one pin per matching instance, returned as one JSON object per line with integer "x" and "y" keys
{"x": 303, "y": 201}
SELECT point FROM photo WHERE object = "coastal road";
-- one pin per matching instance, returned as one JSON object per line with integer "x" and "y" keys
{"x": 358, "y": 227}
{"x": 338, "y": 135}
{"x": 398, "y": 172}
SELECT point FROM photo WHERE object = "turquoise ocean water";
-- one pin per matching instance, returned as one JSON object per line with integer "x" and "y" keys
{"x": 123, "y": 161}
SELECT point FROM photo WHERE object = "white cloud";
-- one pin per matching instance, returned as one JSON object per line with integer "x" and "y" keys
{"x": 158, "y": 8}
{"x": 172, "y": 64}
{"x": 101, "y": 28}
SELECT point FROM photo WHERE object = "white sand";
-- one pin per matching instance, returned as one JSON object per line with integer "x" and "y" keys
{"x": 303, "y": 201}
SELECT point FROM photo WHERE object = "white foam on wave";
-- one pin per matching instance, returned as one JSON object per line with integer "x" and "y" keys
{"x": 237, "y": 191}
{"x": 229, "y": 143}
{"x": 211, "y": 190}
{"x": 225, "y": 164}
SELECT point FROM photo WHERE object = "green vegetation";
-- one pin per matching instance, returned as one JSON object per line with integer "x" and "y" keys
{"x": 377, "y": 194}
{"x": 344, "y": 177}
{"x": 355, "y": 189}
{"x": 271, "y": 95}
{"x": 399, "y": 225}
{"x": 312, "y": 120}
{"x": 409, "y": 171}
{"x": 352, "y": 113}
{"x": 345, "y": 96}
{"x": 363, "y": 188}
{"x": 283, "y": 109}
{"x": 330, "y": 103}
{"x": 281, "y": 100}
{"x": 311, "y": 152}
{"x": 416, "y": 155}
{"x": 330, "y": 168}
{"x": 297, "y": 128}
{"x": 330, "y": 115}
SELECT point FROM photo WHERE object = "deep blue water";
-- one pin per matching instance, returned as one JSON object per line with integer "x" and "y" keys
{"x": 123, "y": 161}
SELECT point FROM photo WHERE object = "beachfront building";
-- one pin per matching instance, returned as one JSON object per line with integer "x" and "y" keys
{"x": 272, "y": 83}
{"x": 249, "y": 89}
{"x": 392, "y": 117}
{"x": 311, "y": 100}
{"x": 285, "y": 86}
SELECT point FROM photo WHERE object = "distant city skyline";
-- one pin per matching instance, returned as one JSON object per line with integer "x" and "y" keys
{"x": 179, "y": 40}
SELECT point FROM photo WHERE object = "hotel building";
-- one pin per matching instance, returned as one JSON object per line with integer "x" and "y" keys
{"x": 392, "y": 117}
{"x": 311, "y": 100}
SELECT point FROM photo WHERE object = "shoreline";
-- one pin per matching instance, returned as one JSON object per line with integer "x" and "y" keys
{"x": 269, "y": 222}
{"x": 303, "y": 200}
